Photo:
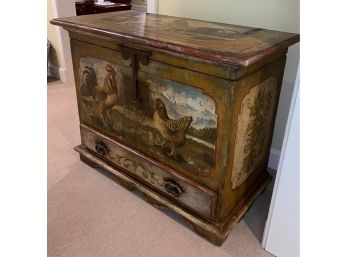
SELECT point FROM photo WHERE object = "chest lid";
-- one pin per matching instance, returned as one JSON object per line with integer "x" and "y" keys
{"x": 230, "y": 44}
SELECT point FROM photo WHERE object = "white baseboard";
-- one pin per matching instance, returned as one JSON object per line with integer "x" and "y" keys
{"x": 63, "y": 75}
{"x": 139, "y": 8}
{"x": 53, "y": 71}
{"x": 274, "y": 159}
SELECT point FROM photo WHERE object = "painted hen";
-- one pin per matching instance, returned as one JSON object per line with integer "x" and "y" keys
{"x": 105, "y": 94}
{"x": 173, "y": 131}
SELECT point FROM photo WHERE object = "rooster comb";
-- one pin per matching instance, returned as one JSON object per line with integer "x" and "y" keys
{"x": 109, "y": 68}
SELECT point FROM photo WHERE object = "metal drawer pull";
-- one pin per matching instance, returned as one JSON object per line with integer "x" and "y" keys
{"x": 101, "y": 148}
{"x": 173, "y": 187}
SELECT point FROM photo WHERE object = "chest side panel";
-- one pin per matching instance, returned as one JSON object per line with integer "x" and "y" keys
{"x": 253, "y": 115}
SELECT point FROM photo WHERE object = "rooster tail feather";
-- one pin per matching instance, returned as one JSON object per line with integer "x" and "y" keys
{"x": 186, "y": 122}
{"x": 180, "y": 124}
{"x": 91, "y": 77}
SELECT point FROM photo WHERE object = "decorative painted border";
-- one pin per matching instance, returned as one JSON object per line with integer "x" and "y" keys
{"x": 163, "y": 167}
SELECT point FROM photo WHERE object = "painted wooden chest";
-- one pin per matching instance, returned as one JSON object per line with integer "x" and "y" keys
{"x": 182, "y": 110}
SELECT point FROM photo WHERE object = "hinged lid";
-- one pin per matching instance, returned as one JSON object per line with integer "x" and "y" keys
{"x": 231, "y": 44}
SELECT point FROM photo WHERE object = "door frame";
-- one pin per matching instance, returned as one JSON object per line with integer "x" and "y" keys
{"x": 283, "y": 169}
{"x": 64, "y": 9}
{"x": 152, "y": 6}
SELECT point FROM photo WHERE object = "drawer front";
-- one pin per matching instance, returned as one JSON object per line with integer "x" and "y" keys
{"x": 176, "y": 187}
{"x": 174, "y": 115}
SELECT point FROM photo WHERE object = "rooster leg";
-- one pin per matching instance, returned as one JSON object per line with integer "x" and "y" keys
{"x": 161, "y": 144}
{"x": 104, "y": 116}
{"x": 104, "y": 122}
{"x": 104, "y": 119}
{"x": 108, "y": 115}
{"x": 172, "y": 153}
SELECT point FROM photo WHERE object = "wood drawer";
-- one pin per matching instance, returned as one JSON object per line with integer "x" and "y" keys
{"x": 178, "y": 188}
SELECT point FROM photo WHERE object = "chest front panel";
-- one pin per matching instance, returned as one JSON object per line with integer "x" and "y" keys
{"x": 172, "y": 114}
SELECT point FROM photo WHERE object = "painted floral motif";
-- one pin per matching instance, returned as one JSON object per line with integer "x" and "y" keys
{"x": 256, "y": 130}
{"x": 135, "y": 167}
{"x": 253, "y": 127}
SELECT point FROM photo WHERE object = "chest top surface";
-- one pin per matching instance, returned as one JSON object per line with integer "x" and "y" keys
{"x": 232, "y": 44}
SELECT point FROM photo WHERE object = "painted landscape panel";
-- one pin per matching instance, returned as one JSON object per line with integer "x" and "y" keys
{"x": 174, "y": 123}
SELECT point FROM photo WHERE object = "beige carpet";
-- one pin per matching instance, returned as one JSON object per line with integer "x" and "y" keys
{"x": 90, "y": 215}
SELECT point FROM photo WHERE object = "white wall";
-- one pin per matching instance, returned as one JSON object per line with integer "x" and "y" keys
{"x": 269, "y": 14}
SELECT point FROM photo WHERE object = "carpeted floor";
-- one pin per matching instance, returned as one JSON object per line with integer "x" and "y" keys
{"x": 90, "y": 215}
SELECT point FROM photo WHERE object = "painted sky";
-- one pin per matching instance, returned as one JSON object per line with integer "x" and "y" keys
{"x": 185, "y": 101}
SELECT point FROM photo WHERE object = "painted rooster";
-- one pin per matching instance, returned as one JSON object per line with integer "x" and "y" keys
{"x": 105, "y": 94}
{"x": 173, "y": 131}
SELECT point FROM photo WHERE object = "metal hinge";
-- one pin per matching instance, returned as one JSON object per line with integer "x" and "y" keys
{"x": 136, "y": 56}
